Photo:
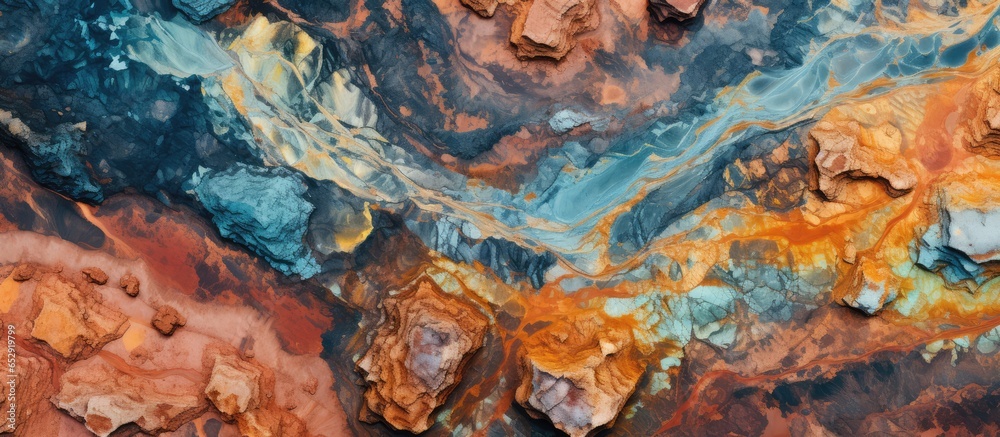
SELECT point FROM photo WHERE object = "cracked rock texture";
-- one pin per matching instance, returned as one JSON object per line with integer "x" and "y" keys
{"x": 262, "y": 208}
{"x": 680, "y": 10}
{"x": 578, "y": 374}
{"x": 848, "y": 150}
{"x": 73, "y": 321}
{"x": 418, "y": 355}
{"x": 202, "y": 10}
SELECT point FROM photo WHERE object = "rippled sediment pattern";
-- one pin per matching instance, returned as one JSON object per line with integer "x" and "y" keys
{"x": 687, "y": 217}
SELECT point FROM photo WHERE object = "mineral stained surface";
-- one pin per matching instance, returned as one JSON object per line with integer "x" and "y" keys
{"x": 500, "y": 217}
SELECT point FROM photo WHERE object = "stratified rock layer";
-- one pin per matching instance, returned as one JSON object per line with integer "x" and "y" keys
{"x": 848, "y": 150}
{"x": 264, "y": 210}
{"x": 545, "y": 28}
{"x": 681, "y": 10}
{"x": 418, "y": 355}
{"x": 74, "y": 322}
{"x": 202, "y": 10}
{"x": 578, "y": 374}
{"x": 106, "y": 398}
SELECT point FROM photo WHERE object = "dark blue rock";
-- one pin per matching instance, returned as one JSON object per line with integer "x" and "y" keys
{"x": 263, "y": 209}
{"x": 202, "y": 10}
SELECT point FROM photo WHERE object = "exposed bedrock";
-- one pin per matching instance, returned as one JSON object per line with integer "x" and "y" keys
{"x": 202, "y": 10}
{"x": 74, "y": 322}
{"x": 578, "y": 374}
{"x": 241, "y": 389}
{"x": 680, "y": 10}
{"x": 982, "y": 133}
{"x": 849, "y": 150}
{"x": 105, "y": 398}
{"x": 872, "y": 287}
{"x": 963, "y": 245}
{"x": 418, "y": 355}
{"x": 263, "y": 209}
{"x": 545, "y": 28}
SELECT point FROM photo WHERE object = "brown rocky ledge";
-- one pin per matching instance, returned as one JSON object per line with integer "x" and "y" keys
{"x": 680, "y": 10}
{"x": 418, "y": 355}
{"x": 73, "y": 321}
{"x": 544, "y": 28}
{"x": 578, "y": 374}
{"x": 848, "y": 150}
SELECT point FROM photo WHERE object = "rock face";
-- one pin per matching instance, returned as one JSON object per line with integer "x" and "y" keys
{"x": 242, "y": 390}
{"x": 74, "y": 322}
{"x": 202, "y": 10}
{"x": 578, "y": 374}
{"x": 106, "y": 398}
{"x": 848, "y": 150}
{"x": 680, "y": 10}
{"x": 95, "y": 275}
{"x": 982, "y": 134}
{"x": 545, "y": 28}
{"x": 264, "y": 210}
{"x": 964, "y": 245}
{"x": 871, "y": 288}
{"x": 129, "y": 284}
{"x": 418, "y": 355}
{"x": 485, "y": 8}
{"x": 167, "y": 320}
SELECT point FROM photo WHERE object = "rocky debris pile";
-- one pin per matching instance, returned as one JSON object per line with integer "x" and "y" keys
{"x": 872, "y": 287}
{"x": 106, "y": 398}
{"x": 418, "y": 355}
{"x": 680, "y": 10}
{"x": 849, "y": 150}
{"x": 203, "y": 10}
{"x": 167, "y": 319}
{"x": 75, "y": 322}
{"x": 578, "y": 374}
{"x": 263, "y": 209}
{"x": 95, "y": 275}
{"x": 129, "y": 284}
{"x": 963, "y": 244}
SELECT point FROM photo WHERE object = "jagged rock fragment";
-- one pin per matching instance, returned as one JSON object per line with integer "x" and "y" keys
{"x": 871, "y": 288}
{"x": 106, "y": 398}
{"x": 545, "y": 28}
{"x": 848, "y": 150}
{"x": 23, "y": 272}
{"x": 203, "y": 10}
{"x": 263, "y": 209}
{"x": 74, "y": 322}
{"x": 578, "y": 374}
{"x": 485, "y": 8}
{"x": 167, "y": 320}
{"x": 130, "y": 284}
{"x": 95, "y": 275}
{"x": 241, "y": 390}
{"x": 680, "y": 10}
{"x": 418, "y": 355}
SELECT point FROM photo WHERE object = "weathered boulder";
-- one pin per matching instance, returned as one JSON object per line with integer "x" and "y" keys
{"x": 263, "y": 209}
{"x": 545, "y": 28}
{"x": 872, "y": 287}
{"x": 75, "y": 323}
{"x": 129, "y": 284}
{"x": 106, "y": 398}
{"x": 203, "y": 10}
{"x": 95, "y": 275}
{"x": 848, "y": 150}
{"x": 578, "y": 374}
{"x": 167, "y": 319}
{"x": 418, "y": 355}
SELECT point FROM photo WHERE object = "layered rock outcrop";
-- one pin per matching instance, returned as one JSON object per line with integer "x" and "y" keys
{"x": 848, "y": 150}
{"x": 418, "y": 355}
{"x": 105, "y": 398}
{"x": 202, "y": 10}
{"x": 578, "y": 374}
{"x": 872, "y": 287}
{"x": 963, "y": 244}
{"x": 680, "y": 10}
{"x": 74, "y": 322}
{"x": 264, "y": 210}
{"x": 241, "y": 389}
{"x": 545, "y": 28}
